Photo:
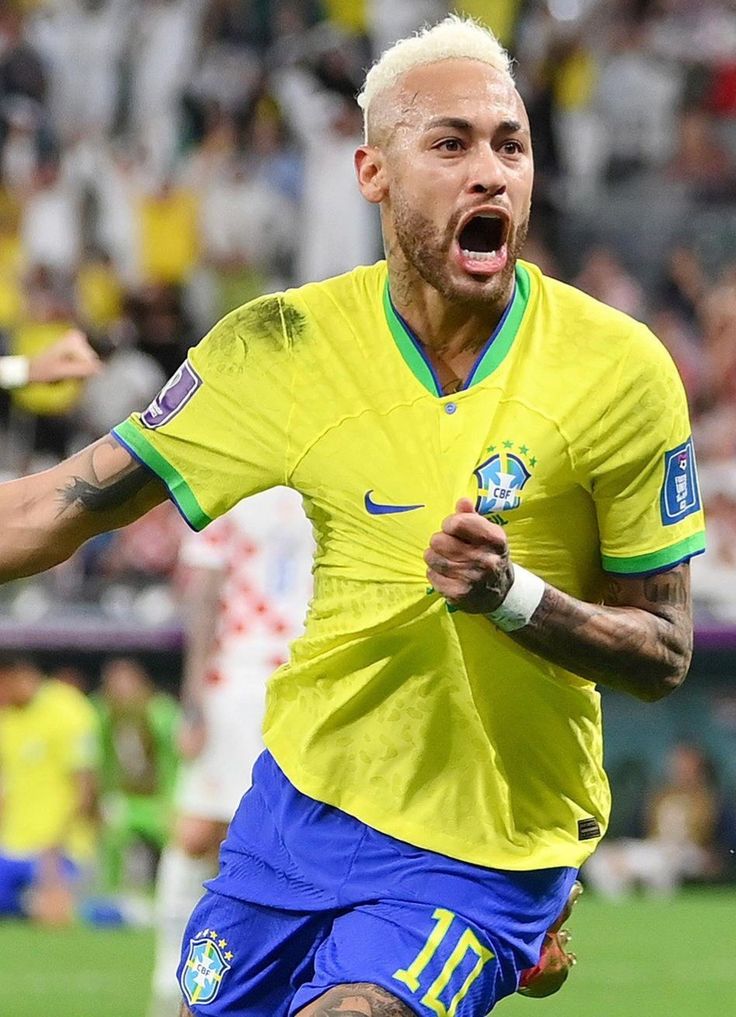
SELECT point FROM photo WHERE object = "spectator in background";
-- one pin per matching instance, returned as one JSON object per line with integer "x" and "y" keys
{"x": 89, "y": 34}
{"x": 162, "y": 55}
{"x": 50, "y": 223}
{"x": 604, "y": 277}
{"x": 138, "y": 766}
{"x": 338, "y": 230}
{"x": 637, "y": 100}
{"x": 682, "y": 819}
{"x": 48, "y": 756}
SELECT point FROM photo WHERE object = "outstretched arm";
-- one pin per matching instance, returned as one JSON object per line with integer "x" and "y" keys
{"x": 638, "y": 641}
{"x": 45, "y": 517}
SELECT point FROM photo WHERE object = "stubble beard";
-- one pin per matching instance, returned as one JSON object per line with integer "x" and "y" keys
{"x": 427, "y": 251}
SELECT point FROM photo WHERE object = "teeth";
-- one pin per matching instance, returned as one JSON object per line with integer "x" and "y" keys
{"x": 481, "y": 255}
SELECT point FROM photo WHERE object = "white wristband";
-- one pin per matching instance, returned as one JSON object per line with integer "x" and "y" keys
{"x": 14, "y": 372}
{"x": 517, "y": 607}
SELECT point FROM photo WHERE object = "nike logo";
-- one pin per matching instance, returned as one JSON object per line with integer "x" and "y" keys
{"x": 376, "y": 509}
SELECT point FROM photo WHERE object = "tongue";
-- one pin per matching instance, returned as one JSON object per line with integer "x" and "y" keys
{"x": 483, "y": 262}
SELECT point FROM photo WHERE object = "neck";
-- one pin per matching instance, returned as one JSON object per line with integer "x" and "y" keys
{"x": 445, "y": 327}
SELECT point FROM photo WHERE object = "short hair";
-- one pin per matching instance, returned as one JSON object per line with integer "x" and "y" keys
{"x": 453, "y": 38}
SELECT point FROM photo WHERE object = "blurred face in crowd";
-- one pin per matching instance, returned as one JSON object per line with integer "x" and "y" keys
{"x": 450, "y": 161}
{"x": 125, "y": 683}
{"x": 19, "y": 682}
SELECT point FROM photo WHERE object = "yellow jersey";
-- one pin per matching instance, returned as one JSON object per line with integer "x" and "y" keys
{"x": 43, "y": 747}
{"x": 571, "y": 432}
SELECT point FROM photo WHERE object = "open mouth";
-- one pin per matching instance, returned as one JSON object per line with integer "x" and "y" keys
{"x": 482, "y": 249}
{"x": 483, "y": 237}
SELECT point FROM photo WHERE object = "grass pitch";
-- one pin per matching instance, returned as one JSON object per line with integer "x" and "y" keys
{"x": 641, "y": 959}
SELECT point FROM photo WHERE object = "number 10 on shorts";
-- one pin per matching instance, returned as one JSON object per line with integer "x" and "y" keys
{"x": 467, "y": 943}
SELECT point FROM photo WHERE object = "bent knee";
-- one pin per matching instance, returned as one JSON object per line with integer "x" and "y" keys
{"x": 362, "y": 999}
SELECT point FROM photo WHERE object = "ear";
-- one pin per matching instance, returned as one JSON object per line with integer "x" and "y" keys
{"x": 369, "y": 166}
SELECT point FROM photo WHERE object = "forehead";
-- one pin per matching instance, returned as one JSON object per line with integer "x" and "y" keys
{"x": 469, "y": 89}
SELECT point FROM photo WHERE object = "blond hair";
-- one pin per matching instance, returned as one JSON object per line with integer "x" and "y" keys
{"x": 453, "y": 38}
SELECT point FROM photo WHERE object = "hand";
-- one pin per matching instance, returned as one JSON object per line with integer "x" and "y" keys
{"x": 191, "y": 738}
{"x": 70, "y": 357}
{"x": 469, "y": 561}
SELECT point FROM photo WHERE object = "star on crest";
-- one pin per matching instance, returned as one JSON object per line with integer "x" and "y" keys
{"x": 213, "y": 934}
{"x": 508, "y": 444}
{"x": 524, "y": 449}
{"x": 222, "y": 943}
{"x": 228, "y": 956}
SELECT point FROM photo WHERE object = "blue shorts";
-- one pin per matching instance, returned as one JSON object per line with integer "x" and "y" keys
{"x": 20, "y": 874}
{"x": 308, "y": 897}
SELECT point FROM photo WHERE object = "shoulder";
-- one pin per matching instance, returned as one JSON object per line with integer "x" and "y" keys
{"x": 360, "y": 289}
{"x": 290, "y": 320}
{"x": 576, "y": 321}
{"x": 574, "y": 310}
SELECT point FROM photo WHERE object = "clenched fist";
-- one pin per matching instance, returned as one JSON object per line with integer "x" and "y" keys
{"x": 468, "y": 561}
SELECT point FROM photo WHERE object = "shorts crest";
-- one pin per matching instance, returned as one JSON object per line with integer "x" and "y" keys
{"x": 207, "y": 961}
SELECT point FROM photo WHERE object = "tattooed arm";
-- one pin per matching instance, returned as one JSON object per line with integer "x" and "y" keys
{"x": 638, "y": 641}
{"x": 45, "y": 517}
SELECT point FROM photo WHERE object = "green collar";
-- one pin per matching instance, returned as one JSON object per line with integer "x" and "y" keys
{"x": 489, "y": 358}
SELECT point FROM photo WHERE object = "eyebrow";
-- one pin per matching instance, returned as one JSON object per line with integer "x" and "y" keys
{"x": 460, "y": 124}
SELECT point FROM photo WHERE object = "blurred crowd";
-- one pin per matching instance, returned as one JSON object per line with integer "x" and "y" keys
{"x": 163, "y": 161}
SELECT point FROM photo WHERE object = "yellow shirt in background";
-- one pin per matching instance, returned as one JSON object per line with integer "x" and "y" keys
{"x": 43, "y": 747}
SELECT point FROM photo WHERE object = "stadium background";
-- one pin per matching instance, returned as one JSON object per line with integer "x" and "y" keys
{"x": 161, "y": 161}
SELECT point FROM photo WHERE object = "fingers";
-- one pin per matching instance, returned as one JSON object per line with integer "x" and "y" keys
{"x": 472, "y": 528}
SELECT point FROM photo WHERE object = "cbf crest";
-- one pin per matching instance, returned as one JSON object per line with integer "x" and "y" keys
{"x": 501, "y": 479}
{"x": 207, "y": 961}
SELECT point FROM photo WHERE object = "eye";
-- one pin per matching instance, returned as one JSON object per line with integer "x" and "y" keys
{"x": 451, "y": 145}
{"x": 512, "y": 147}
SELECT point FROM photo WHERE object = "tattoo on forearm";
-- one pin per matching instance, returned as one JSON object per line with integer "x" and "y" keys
{"x": 97, "y": 497}
{"x": 641, "y": 636}
{"x": 96, "y": 488}
{"x": 360, "y": 1001}
{"x": 667, "y": 588}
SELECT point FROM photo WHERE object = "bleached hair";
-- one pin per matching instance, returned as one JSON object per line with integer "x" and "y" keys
{"x": 453, "y": 38}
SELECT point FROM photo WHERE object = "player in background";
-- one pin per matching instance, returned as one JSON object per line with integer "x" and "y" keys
{"x": 248, "y": 581}
{"x": 138, "y": 766}
{"x": 48, "y": 809}
{"x": 433, "y": 776}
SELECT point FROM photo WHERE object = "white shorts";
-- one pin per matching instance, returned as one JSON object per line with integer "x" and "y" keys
{"x": 211, "y": 786}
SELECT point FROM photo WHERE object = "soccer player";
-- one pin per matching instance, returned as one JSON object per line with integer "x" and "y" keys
{"x": 138, "y": 764}
{"x": 48, "y": 755}
{"x": 248, "y": 581}
{"x": 432, "y": 779}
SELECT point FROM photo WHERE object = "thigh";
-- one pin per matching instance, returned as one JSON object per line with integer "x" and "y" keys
{"x": 431, "y": 959}
{"x": 246, "y": 960}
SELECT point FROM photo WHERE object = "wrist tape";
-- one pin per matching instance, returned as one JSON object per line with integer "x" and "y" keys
{"x": 14, "y": 372}
{"x": 524, "y": 597}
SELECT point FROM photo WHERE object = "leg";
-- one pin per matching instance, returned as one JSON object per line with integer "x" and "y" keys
{"x": 358, "y": 1000}
{"x": 184, "y": 865}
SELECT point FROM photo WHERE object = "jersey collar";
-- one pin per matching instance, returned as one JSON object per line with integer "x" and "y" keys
{"x": 490, "y": 357}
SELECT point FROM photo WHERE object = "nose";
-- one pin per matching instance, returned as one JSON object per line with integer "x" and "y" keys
{"x": 486, "y": 174}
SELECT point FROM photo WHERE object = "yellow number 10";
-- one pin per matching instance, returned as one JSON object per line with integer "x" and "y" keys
{"x": 467, "y": 941}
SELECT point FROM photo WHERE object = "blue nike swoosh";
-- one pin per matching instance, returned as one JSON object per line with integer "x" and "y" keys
{"x": 376, "y": 509}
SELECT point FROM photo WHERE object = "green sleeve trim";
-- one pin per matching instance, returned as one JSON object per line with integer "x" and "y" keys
{"x": 181, "y": 493}
{"x": 656, "y": 560}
